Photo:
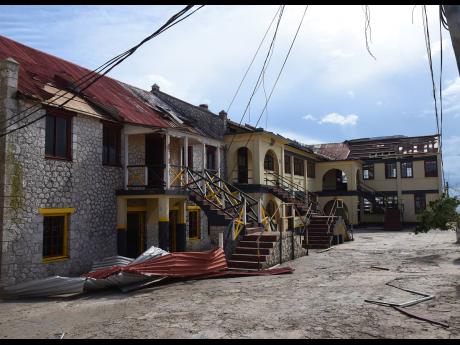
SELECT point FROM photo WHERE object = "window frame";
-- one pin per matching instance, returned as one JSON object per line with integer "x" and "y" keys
{"x": 287, "y": 163}
{"x": 110, "y": 126}
{"x": 301, "y": 164}
{"x": 211, "y": 152}
{"x": 269, "y": 160}
{"x": 370, "y": 169}
{"x": 430, "y": 174}
{"x": 395, "y": 170}
{"x": 404, "y": 170}
{"x": 57, "y": 212}
{"x": 198, "y": 223}
{"x": 69, "y": 119}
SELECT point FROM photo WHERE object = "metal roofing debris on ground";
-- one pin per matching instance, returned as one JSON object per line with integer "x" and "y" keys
{"x": 153, "y": 266}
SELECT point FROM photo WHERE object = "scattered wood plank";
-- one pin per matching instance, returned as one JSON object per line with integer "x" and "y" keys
{"x": 418, "y": 317}
{"x": 325, "y": 250}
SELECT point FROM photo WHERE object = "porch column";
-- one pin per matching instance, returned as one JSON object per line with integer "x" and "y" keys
{"x": 166, "y": 173}
{"x": 218, "y": 160}
{"x": 305, "y": 175}
{"x": 186, "y": 157}
{"x": 282, "y": 172}
{"x": 122, "y": 221}
{"x": 163, "y": 222}
{"x": 181, "y": 235}
{"x": 292, "y": 168}
{"x": 125, "y": 161}
{"x": 204, "y": 156}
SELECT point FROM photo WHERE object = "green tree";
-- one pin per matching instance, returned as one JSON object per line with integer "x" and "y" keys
{"x": 441, "y": 214}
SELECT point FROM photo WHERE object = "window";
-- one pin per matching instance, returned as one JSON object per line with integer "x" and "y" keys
{"x": 390, "y": 170}
{"x": 391, "y": 201}
{"x": 419, "y": 203}
{"x": 299, "y": 168}
{"x": 311, "y": 169}
{"x": 210, "y": 158}
{"x": 55, "y": 233}
{"x": 194, "y": 224}
{"x": 58, "y": 136}
{"x": 368, "y": 172}
{"x": 287, "y": 164}
{"x": 269, "y": 162}
{"x": 431, "y": 169}
{"x": 406, "y": 169}
{"x": 111, "y": 137}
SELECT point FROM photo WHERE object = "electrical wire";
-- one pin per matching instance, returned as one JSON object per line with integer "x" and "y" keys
{"x": 252, "y": 60}
{"x": 367, "y": 28}
{"x": 279, "y": 74}
{"x": 264, "y": 66}
{"x": 108, "y": 66}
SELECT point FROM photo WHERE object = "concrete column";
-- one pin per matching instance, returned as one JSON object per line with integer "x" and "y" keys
{"x": 292, "y": 168}
{"x": 122, "y": 225}
{"x": 218, "y": 160}
{"x": 167, "y": 154}
{"x": 163, "y": 222}
{"x": 282, "y": 162}
{"x": 151, "y": 222}
{"x": 305, "y": 175}
{"x": 258, "y": 164}
{"x": 181, "y": 235}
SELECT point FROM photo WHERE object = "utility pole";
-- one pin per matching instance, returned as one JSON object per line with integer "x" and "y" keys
{"x": 453, "y": 20}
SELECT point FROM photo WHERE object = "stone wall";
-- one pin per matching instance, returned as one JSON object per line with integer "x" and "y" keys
{"x": 204, "y": 242}
{"x": 289, "y": 246}
{"x": 83, "y": 183}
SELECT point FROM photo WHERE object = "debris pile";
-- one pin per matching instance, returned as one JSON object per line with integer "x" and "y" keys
{"x": 153, "y": 266}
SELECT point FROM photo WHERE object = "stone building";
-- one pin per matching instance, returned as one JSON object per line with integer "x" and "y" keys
{"x": 96, "y": 175}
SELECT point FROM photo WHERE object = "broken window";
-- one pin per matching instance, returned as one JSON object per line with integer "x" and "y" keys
{"x": 287, "y": 164}
{"x": 431, "y": 169}
{"x": 406, "y": 169}
{"x": 58, "y": 136}
{"x": 55, "y": 235}
{"x": 368, "y": 172}
{"x": 299, "y": 168}
{"x": 420, "y": 203}
{"x": 111, "y": 137}
{"x": 390, "y": 170}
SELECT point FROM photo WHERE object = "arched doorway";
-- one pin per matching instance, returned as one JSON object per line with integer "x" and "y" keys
{"x": 335, "y": 179}
{"x": 342, "y": 212}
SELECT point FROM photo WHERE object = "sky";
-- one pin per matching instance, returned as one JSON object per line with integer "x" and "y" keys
{"x": 330, "y": 90}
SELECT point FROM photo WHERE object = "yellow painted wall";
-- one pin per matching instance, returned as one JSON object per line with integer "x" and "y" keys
{"x": 350, "y": 201}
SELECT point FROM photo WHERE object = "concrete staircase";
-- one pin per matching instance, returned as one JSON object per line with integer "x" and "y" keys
{"x": 318, "y": 236}
{"x": 247, "y": 256}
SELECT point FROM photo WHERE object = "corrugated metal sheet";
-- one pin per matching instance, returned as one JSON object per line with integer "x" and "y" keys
{"x": 38, "y": 69}
{"x": 149, "y": 254}
{"x": 51, "y": 286}
{"x": 111, "y": 261}
{"x": 184, "y": 265}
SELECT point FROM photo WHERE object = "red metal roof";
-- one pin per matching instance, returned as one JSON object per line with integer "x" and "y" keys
{"x": 183, "y": 265}
{"x": 38, "y": 68}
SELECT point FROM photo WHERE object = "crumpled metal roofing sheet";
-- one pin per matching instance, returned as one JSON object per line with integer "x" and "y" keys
{"x": 111, "y": 261}
{"x": 184, "y": 265}
{"x": 150, "y": 253}
{"x": 51, "y": 286}
{"x": 38, "y": 69}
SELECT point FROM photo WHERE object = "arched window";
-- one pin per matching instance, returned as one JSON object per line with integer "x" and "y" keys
{"x": 269, "y": 162}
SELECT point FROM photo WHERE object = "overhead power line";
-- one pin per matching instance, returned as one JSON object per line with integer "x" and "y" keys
{"x": 79, "y": 85}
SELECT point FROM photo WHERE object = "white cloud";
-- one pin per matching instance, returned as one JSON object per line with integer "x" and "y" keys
{"x": 340, "y": 53}
{"x": 338, "y": 119}
{"x": 309, "y": 117}
{"x": 451, "y": 98}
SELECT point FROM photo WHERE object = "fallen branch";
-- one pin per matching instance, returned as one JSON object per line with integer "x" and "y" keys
{"x": 405, "y": 312}
{"x": 325, "y": 250}
{"x": 380, "y": 268}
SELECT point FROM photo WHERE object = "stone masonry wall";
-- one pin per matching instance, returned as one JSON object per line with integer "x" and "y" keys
{"x": 83, "y": 183}
{"x": 287, "y": 246}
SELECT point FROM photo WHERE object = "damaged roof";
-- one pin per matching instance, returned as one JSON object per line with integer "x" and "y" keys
{"x": 378, "y": 147}
{"x": 38, "y": 69}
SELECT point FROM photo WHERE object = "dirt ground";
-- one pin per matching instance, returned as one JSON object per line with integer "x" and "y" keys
{"x": 323, "y": 298}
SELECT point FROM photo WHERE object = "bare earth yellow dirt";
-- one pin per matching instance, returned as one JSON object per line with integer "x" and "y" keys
{"x": 324, "y": 297}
